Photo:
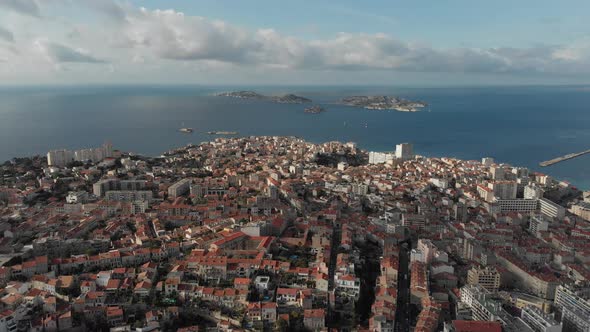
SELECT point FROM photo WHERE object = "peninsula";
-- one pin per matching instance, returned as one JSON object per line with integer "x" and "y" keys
{"x": 284, "y": 99}
{"x": 383, "y": 103}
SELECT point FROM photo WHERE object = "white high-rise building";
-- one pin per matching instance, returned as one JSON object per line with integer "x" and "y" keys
{"x": 520, "y": 172}
{"x": 100, "y": 188}
{"x": 380, "y": 157}
{"x": 59, "y": 158}
{"x": 581, "y": 209}
{"x": 404, "y": 151}
{"x": 62, "y": 157}
{"x": 539, "y": 321}
{"x": 516, "y": 205}
{"x": 487, "y": 161}
{"x": 550, "y": 209}
{"x": 179, "y": 188}
{"x": 476, "y": 297}
{"x": 533, "y": 191}
{"x": 497, "y": 172}
{"x": 94, "y": 154}
{"x": 538, "y": 224}
{"x": 574, "y": 309}
{"x": 504, "y": 189}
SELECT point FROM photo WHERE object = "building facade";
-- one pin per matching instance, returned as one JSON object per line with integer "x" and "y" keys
{"x": 550, "y": 209}
{"x": 404, "y": 151}
{"x": 487, "y": 277}
{"x": 539, "y": 321}
{"x": 574, "y": 309}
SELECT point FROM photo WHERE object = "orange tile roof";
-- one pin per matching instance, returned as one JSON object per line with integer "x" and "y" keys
{"x": 476, "y": 326}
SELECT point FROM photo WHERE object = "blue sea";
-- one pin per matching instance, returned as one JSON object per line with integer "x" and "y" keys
{"x": 518, "y": 125}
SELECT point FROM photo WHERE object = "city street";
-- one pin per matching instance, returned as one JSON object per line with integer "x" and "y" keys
{"x": 402, "y": 317}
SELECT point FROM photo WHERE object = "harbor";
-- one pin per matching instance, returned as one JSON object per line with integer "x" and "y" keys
{"x": 563, "y": 158}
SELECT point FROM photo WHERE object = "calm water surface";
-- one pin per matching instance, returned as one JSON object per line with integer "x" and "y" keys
{"x": 518, "y": 125}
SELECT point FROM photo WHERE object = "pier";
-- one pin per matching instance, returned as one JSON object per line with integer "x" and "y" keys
{"x": 563, "y": 158}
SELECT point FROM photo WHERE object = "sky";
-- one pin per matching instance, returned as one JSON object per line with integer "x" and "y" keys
{"x": 349, "y": 42}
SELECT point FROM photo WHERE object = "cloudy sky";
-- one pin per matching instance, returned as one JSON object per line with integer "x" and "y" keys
{"x": 418, "y": 42}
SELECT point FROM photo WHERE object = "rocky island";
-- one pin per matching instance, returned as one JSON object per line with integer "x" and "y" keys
{"x": 314, "y": 109}
{"x": 242, "y": 94}
{"x": 285, "y": 99}
{"x": 383, "y": 103}
{"x": 290, "y": 99}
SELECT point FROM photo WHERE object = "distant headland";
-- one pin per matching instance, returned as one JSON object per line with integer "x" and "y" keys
{"x": 284, "y": 99}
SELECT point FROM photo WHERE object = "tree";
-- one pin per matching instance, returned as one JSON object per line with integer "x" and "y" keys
{"x": 294, "y": 314}
{"x": 74, "y": 163}
{"x": 91, "y": 252}
{"x": 169, "y": 225}
{"x": 131, "y": 227}
{"x": 281, "y": 325}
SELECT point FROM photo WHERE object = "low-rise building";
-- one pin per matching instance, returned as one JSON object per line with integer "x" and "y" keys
{"x": 314, "y": 319}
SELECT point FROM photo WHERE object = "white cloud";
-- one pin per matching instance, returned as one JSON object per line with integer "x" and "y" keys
{"x": 172, "y": 35}
{"x": 111, "y": 9}
{"x": 26, "y": 7}
{"x": 58, "y": 53}
{"x": 168, "y": 34}
{"x": 576, "y": 52}
{"x": 167, "y": 40}
{"x": 6, "y": 35}
{"x": 138, "y": 59}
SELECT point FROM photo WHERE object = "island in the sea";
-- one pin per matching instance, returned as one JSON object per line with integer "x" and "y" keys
{"x": 284, "y": 99}
{"x": 314, "y": 109}
{"x": 383, "y": 103}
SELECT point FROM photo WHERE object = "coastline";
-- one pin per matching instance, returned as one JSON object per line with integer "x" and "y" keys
{"x": 365, "y": 149}
{"x": 464, "y": 122}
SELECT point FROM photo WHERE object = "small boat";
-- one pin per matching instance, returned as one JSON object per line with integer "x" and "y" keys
{"x": 185, "y": 130}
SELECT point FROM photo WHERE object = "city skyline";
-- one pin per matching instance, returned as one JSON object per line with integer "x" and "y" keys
{"x": 202, "y": 42}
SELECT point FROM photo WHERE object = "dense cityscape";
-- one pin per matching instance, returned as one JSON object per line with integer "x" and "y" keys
{"x": 321, "y": 166}
{"x": 275, "y": 233}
